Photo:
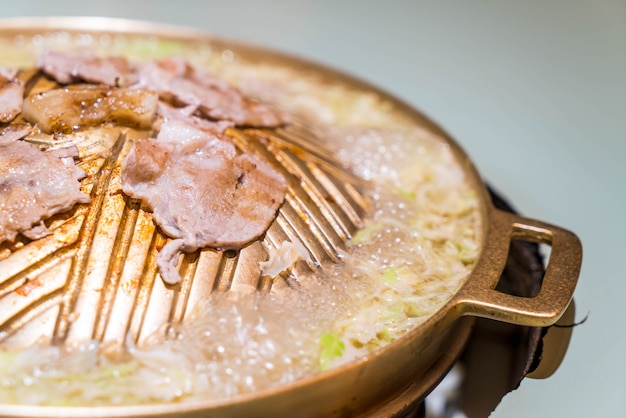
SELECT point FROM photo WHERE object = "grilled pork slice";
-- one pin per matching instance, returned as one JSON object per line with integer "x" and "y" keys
{"x": 185, "y": 116}
{"x": 14, "y": 132}
{"x": 70, "y": 108}
{"x": 176, "y": 80}
{"x": 8, "y": 72}
{"x": 83, "y": 65}
{"x": 34, "y": 185}
{"x": 11, "y": 95}
{"x": 203, "y": 192}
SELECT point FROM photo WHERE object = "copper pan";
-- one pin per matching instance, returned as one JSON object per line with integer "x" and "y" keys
{"x": 350, "y": 390}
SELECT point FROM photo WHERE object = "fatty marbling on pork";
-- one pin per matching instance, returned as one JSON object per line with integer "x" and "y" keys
{"x": 70, "y": 108}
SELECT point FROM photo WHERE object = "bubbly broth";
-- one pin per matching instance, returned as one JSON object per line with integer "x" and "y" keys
{"x": 419, "y": 241}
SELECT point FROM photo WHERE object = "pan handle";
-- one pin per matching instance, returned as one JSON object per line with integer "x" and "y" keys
{"x": 478, "y": 296}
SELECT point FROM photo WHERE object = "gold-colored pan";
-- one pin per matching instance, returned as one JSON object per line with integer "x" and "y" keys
{"x": 95, "y": 277}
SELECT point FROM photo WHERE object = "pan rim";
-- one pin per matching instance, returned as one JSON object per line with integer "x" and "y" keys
{"x": 139, "y": 28}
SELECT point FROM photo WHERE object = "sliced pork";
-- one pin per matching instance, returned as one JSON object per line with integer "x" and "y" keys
{"x": 186, "y": 117}
{"x": 35, "y": 185}
{"x": 82, "y": 65}
{"x": 70, "y": 108}
{"x": 201, "y": 189}
{"x": 8, "y": 72}
{"x": 14, "y": 132}
{"x": 11, "y": 95}
{"x": 173, "y": 78}
{"x": 176, "y": 80}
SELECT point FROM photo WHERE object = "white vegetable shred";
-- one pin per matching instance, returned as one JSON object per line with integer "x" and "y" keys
{"x": 420, "y": 240}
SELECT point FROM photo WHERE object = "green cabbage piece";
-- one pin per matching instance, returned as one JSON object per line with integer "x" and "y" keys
{"x": 331, "y": 348}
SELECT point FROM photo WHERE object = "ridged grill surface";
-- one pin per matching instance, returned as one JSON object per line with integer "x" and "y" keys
{"x": 95, "y": 277}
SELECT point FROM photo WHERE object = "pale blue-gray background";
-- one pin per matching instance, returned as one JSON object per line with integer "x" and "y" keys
{"x": 535, "y": 91}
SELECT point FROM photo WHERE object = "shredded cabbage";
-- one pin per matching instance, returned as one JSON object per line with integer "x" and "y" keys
{"x": 331, "y": 348}
{"x": 284, "y": 257}
{"x": 419, "y": 241}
